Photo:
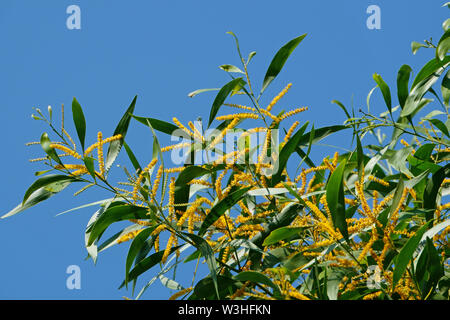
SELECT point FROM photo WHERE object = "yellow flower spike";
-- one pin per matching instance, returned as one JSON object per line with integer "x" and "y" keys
{"x": 377, "y": 180}
{"x": 174, "y": 170}
{"x": 171, "y": 198}
{"x": 180, "y": 293}
{"x": 180, "y": 125}
{"x": 70, "y": 166}
{"x": 218, "y": 186}
{"x": 156, "y": 183}
{"x": 278, "y": 97}
{"x": 141, "y": 177}
{"x": 169, "y": 245}
{"x": 141, "y": 222}
{"x": 66, "y": 150}
{"x": 369, "y": 244}
{"x": 224, "y": 259}
{"x": 291, "y": 113}
{"x": 238, "y": 116}
{"x": 107, "y": 140}
{"x": 271, "y": 116}
{"x": 197, "y": 135}
{"x": 290, "y": 131}
{"x": 128, "y": 236}
{"x": 219, "y": 138}
{"x": 176, "y": 146}
{"x": 101, "y": 162}
{"x": 239, "y": 106}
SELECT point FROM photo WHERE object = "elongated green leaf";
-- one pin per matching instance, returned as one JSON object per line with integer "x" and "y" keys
{"x": 45, "y": 144}
{"x": 281, "y": 234}
{"x": 122, "y": 128}
{"x": 222, "y": 95}
{"x": 341, "y": 105}
{"x": 114, "y": 214}
{"x": 384, "y": 90}
{"x": 445, "y": 88}
{"x": 162, "y": 126}
{"x": 443, "y": 46}
{"x": 279, "y": 60}
{"x": 208, "y": 253}
{"x": 429, "y": 69}
{"x": 79, "y": 121}
{"x": 406, "y": 254}
{"x": 89, "y": 163}
{"x": 196, "y": 92}
{"x": 132, "y": 157}
{"x": 432, "y": 189}
{"x": 221, "y": 207}
{"x": 415, "y": 46}
{"x": 147, "y": 264}
{"x": 286, "y": 152}
{"x": 402, "y": 84}
{"x": 38, "y": 196}
{"x": 231, "y": 68}
{"x": 335, "y": 199}
{"x": 138, "y": 242}
{"x": 440, "y": 125}
{"x": 45, "y": 181}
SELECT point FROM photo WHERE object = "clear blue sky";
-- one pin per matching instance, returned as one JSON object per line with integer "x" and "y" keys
{"x": 161, "y": 51}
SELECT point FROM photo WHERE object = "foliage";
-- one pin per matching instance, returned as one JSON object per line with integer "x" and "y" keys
{"x": 367, "y": 224}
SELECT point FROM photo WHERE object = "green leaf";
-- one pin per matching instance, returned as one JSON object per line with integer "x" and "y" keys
{"x": 342, "y": 107}
{"x": 443, "y": 46}
{"x": 147, "y": 264}
{"x": 432, "y": 189}
{"x": 406, "y": 254}
{"x": 208, "y": 253}
{"x": 279, "y": 60}
{"x": 222, "y": 95}
{"x": 45, "y": 144}
{"x": 415, "y": 46}
{"x": 221, "y": 207}
{"x": 429, "y": 69}
{"x": 281, "y": 234}
{"x": 250, "y": 56}
{"x": 162, "y": 126}
{"x": 445, "y": 88}
{"x": 335, "y": 198}
{"x": 114, "y": 214}
{"x": 384, "y": 90}
{"x": 132, "y": 157}
{"x": 138, "y": 242}
{"x": 440, "y": 125}
{"x": 402, "y": 84}
{"x": 46, "y": 181}
{"x": 122, "y": 128}
{"x": 79, "y": 121}
{"x": 196, "y": 92}
{"x": 38, "y": 196}
{"x": 286, "y": 152}
{"x": 257, "y": 277}
{"x": 231, "y": 68}
{"x": 89, "y": 163}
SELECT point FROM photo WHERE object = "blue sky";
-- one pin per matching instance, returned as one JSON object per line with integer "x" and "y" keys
{"x": 161, "y": 51}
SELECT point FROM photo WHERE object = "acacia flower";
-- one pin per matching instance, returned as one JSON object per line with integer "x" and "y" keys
{"x": 278, "y": 97}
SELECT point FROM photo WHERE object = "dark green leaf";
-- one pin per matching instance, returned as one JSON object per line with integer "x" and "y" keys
{"x": 114, "y": 214}
{"x": 402, "y": 84}
{"x": 384, "y": 90}
{"x": 221, "y": 207}
{"x": 443, "y": 45}
{"x": 45, "y": 181}
{"x": 79, "y": 121}
{"x": 281, "y": 234}
{"x": 432, "y": 189}
{"x": 335, "y": 199}
{"x": 122, "y": 128}
{"x": 162, "y": 126}
{"x": 257, "y": 277}
{"x": 279, "y": 60}
{"x": 222, "y": 95}
{"x": 406, "y": 254}
{"x": 45, "y": 144}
